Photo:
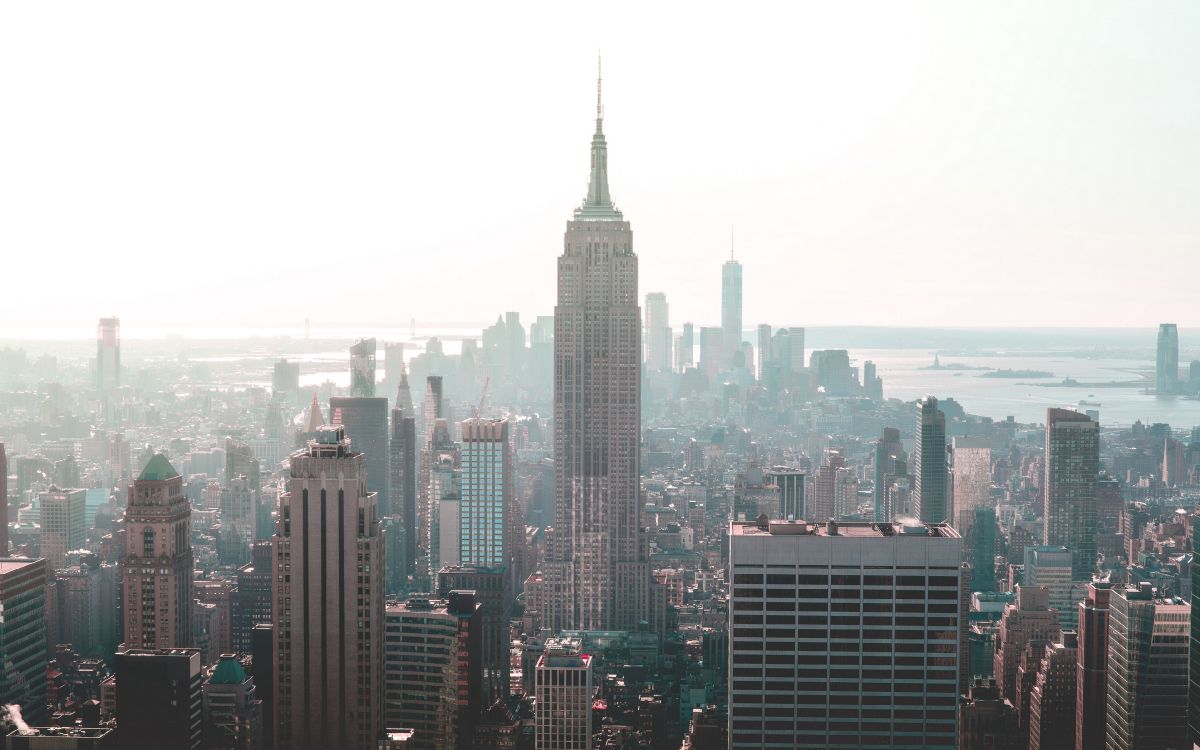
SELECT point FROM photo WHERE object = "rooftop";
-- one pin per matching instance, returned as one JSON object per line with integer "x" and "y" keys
{"x": 159, "y": 469}
{"x": 853, "y": 529}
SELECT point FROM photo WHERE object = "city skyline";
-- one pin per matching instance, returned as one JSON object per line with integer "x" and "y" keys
{"x": 923, "y": 123}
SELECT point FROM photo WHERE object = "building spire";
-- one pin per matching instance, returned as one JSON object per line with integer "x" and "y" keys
{"x": 598, "y": 205}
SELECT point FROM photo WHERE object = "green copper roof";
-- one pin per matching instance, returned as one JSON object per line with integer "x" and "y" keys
{"x": 228, "y": 672}
{"x": 158, "y": 470}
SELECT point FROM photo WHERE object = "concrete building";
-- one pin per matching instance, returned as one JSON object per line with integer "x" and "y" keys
{"x": 159, "y": 698}
{"x": 23, "y": 648}
{"x": 1166, "y": 370}
{"x": 328, "y": 607}
{"x": 597, "y": 572}
{"x": 563, "y": 690}
{"x": 658, "y": 332}
{"x": 63, "y": 524}
{"x": 366, "y": 423}
{"x": 872, "y": 615}
{"x": 156, "y": 572}
{"x": 1147, "y": 670}
{"x": 1091, "y": 676}
{"x": 1072, "y": 464}
{"x": 930, "y": 498}
{"x": 431, "y": 668}
{"x": 1052, "y": 700}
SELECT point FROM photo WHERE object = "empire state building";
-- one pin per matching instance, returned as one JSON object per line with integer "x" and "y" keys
{"x": 596, "y": 574}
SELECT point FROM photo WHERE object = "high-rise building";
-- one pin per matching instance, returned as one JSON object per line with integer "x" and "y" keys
{"x": 791, "y": 491}
{"x": 239, "y": 519}
{"x": 563, "y": 691}
{"x": 712, "y": 347}
{"x": 1166, "y": 371}
{"x": 972, "y": 481}
{"x": 1194, "y": 640}
{"x": 494, "y": 594}
{"x": 1052, "y": 700}
{"x": 3, "y": 502}
{"x": 1091, "y": 677}
{"x": 930, "y": 477}
{"x": 872, "y": 620}
{"x": 731, "y": 309}
{"x": 658, "y": 332}
{"x": 431, "y": 665}
{"x": 23, "y": 648}
{"x": 362, "y": 369}
{"x": 983, "y": 549}
{"x": 444, "y": 487}
{"x": 1027, "y": 622}
{"x": 1050, "y": 567}
{"x": 285, "y": 380}
{"x": 1147, "y": 670}
{"x": 986, "y": 721}
{"x": 108, "y": 355}
{"x": 890, "y": 462}
{"x": 328, "y": 600}
{"x": 250, "y": 601}
{"x": 366, "y": 422}
{"x": 63, "y": 525}
{"x": 232, "y": 708}
{"x": 403, "y": 467}
{"x": 831, "y": 368}
{"x": 486, "y": 494}
{"x": 1072, "y": 463}
{"x": 597, "y": 572}
{"x": 687, "y": 347}
{"x": 159, "y": 698}
{"x": 156, "y": 572}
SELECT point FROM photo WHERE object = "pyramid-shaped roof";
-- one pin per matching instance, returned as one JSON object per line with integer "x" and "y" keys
{"x": 228, "y": 671}
{"x": 315, "y": 417}
{"x": 158, "y": 469}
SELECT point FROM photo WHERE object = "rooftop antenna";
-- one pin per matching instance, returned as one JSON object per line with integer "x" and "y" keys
{"x": 599, "y": 108}
{"x": 731, "y": 242}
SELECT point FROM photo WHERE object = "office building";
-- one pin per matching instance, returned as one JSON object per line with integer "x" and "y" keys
{"x": 1147, "y": 670}
{"x": 563, "y": 690}
{"x": 1072, "y": 463}
{"x": 232, "y": 708}
{"x": 23, "y": 648}
{"x": 250, "y": 601}
{"x": 930, "y": 478}
{"x": 493, "y": 589}
{"x": 1028, "y": 622}
{"x": 362, "y": 369}
{"x": 444, "y": 498}
{"x": 731, "y": 309}
{"x": 686, "y": 357}
{"x": 63, "y": 738}
{"x": 790, "y": 484}
{"x": 1091, "y": 676}
{"x": 982, "y": 552}
{"x": 831, "y": 368}
{"x": 985, "y": 720}
{"x": 328, "y": 607}
{"x": 1052, "y": 700}
{"x": 63, "y": 524}
{"x": 486, "y": 494}
{"x": 403, "y": 467}
{"x": 597, "y": 572}
{"x": 1050, "y": 567}
{"x": 658, "y": 333}
{"x": 1166, "y": 370}
{"x": 239, "y": 520}
{"x": 108, "y": 355}
{"x": 159, "y": 698}
{"x": 872, "y": 383}
{"x": 712, "y": 347}
{"x": 3, "y": 502}
{"x": 285, "y": 381}
{"x": 156, "y": 572}
{"x": 826, "y": 617}
{"x": 972, "y": 481}
{"x": 431, "y": 667}
{"x": 366, "y": 423}
{"x": 891, "y": 462}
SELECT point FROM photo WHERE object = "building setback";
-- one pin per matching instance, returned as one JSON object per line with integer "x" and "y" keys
{"x": 828, "y": 617}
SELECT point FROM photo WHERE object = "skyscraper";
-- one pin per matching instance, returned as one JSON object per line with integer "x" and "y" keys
{"x": 597, "y": 572}
{"x": 1091, "y": 680}
{"x": 23, "y": 651}
{"x": 890, "y": 462}
{"x": 1166, "y": 369}
{"x": 403, "y": 468}
{"x": 563, "y": 690}
{"x": 63, "y": 528}
{"x": 486, "y": 492}
{"x": 3, "y": 502}
{"x": 362, "y": 368}
{"x": 157, "y": 569}
{"x": 972, "y": 482}
{"x": 929, "y": 497}
{"x": 1147, "y": 670}
{"x": 160, "y": 698}
{"x": 658, "y": 332}
{"x": 687, "y": 347}
{"x": 1072, "y": 463}
{"x": 731, "y": 309}
{"x": 712, "y": 346}
{"x": 108, "y": 354}
{"x": 366, "y": 421}
{"x": 328, "y": 600}
{"x": 232, "y": 709}
{"x": 826, "y": 618}
{"x": 1052, "y": 700}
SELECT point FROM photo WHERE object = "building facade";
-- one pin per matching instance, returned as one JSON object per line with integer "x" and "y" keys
{"x": 930, "y": 497}
{"x": 1166, "y": 370}
{"x": 658, "y": 333}
{"x": 563, "y": 690}
{"x": 1072, "y": 464}
{"x": 63, "y": 524}
{"x": 23, "y": 649}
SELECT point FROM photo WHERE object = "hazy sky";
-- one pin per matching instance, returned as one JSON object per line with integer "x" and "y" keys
{"x": 365, "y": 163}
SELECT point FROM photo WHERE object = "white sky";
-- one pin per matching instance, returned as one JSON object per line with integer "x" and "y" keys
{"x": 254, "y": 164}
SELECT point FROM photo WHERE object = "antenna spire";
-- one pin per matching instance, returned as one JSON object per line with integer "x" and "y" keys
{"x": 599, "y": 108}
{"x": 731, "y": 242}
